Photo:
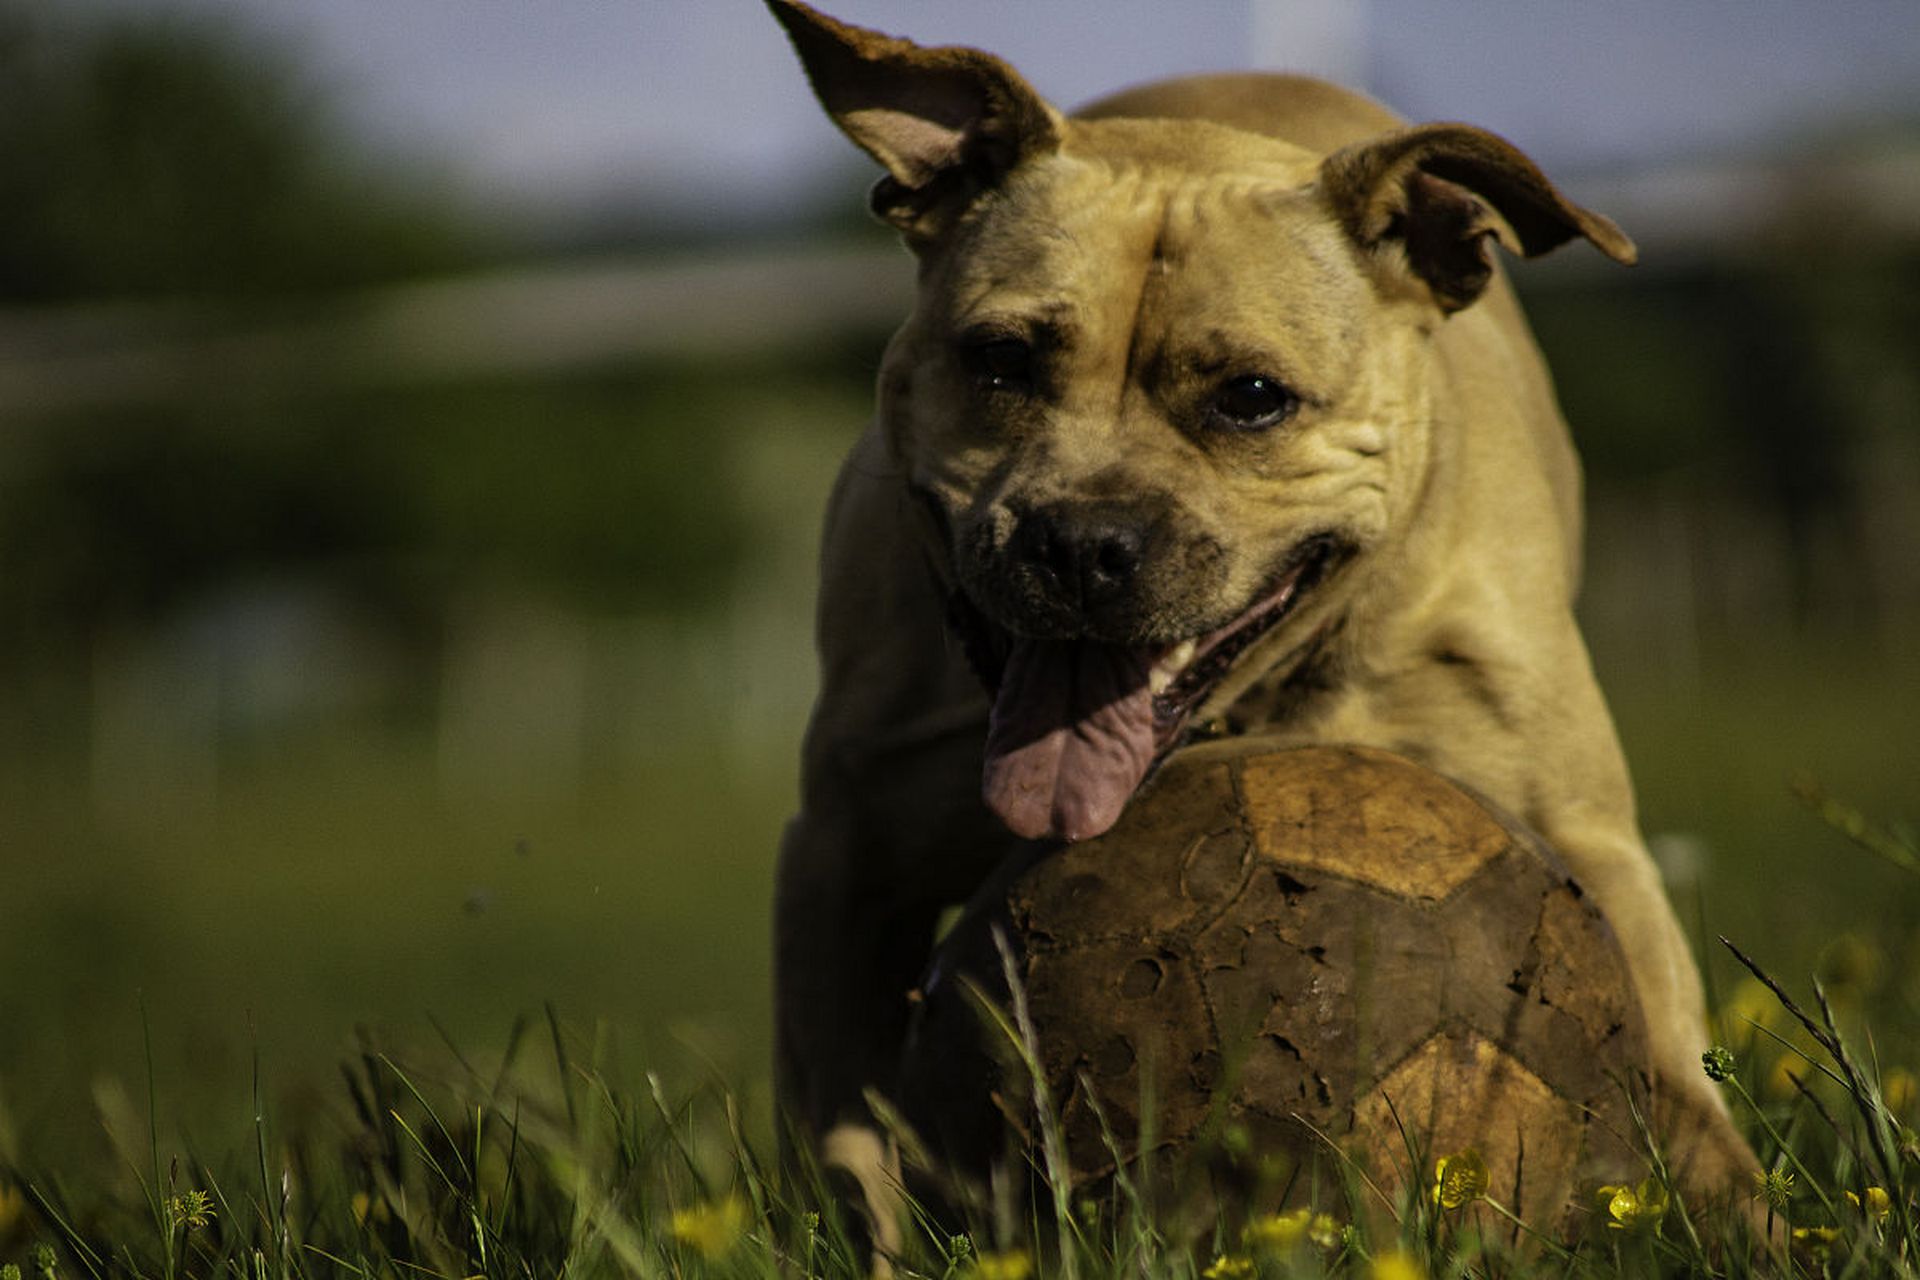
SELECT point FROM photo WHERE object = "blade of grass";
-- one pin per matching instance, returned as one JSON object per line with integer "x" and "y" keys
{"x": 157, "y": 1198}
{"x": 76, "y": 1244}
{"x": 446, "y": 1136}
{"x": 1857, "y": 827}
{"x": 565, "y": 1067}
{"x": 1059, "y": 1174}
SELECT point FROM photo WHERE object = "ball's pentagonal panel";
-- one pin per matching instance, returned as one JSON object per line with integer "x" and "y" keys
{"x": 1361, "y": 814}
{"x": 1289, "y": 941}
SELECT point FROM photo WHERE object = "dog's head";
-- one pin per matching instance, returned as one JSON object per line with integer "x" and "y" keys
{"x": 1164, "y": 390}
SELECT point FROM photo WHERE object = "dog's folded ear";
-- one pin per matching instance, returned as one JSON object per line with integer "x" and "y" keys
{"x": 946, "y": 123}
{"x": 1440, "y": 191}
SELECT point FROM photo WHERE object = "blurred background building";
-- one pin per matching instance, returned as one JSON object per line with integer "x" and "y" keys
{"x": 414, "y": 419}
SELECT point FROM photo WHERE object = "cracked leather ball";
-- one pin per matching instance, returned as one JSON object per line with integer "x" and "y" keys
{"x": 1328, "y": 944}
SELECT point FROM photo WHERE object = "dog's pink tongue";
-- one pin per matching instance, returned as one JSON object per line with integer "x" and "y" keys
{"x": 1070, "y": 738}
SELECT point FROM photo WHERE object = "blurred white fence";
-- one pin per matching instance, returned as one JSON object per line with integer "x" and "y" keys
{"x": 537, "y": 320}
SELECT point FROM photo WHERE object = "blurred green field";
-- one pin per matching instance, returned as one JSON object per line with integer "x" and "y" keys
{"x": 334, "y": 888}
{"x": 1715, "y": 753}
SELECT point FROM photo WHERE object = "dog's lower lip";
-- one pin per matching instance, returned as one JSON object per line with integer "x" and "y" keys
{"x": 1185, "y": 673}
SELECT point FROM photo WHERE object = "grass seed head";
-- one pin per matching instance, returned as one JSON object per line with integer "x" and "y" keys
{"x": 1775, "y": 1186}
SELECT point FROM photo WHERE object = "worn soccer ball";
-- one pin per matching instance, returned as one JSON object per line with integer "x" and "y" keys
{"x": 1304, "y": 948}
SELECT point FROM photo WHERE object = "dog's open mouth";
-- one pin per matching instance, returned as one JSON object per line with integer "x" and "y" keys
{"x": 1078, "y": 724}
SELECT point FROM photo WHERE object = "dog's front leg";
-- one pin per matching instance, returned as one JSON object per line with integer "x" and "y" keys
{"x": 891, "y": 827}
{"x": 865, "y": 870}
{"x": 847, "y": 949}
{"x": 1704, "y": 1148}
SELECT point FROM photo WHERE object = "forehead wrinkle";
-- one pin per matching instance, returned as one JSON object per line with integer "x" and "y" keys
{"x": 1193, "y": 207}
{"x": 1050, "y": 238}
{"x": 1273, "y": 291}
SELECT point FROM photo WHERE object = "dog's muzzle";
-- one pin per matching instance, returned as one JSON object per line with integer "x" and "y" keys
{"x": 1079, "y": 721}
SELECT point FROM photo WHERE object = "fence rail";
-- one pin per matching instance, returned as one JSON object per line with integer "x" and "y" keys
{"x": 524, "y": 321}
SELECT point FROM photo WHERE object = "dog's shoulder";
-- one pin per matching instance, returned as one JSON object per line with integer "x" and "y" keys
{"x": 1310, "y": 113}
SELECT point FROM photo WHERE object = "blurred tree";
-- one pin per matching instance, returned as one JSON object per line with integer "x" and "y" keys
{"x": 170, "y": 157}
{"x": 168, "y": 154}
{"x": 600, "y": 493}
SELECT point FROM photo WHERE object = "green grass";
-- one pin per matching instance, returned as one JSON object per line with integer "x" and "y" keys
{"x": 550, "y": 1157}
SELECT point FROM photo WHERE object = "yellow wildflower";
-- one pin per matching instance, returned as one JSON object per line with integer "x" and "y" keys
{"x": 13, "y": 1208}
{"x": 711, "y": 1230}
{"x": 1459, "y": 1179}
{"x": 1396, "y": 1265}
{"x": 1816, "y": 1241}
{"x": 1750, "y": 1005}
{"x": 1638, "y": 1208}
{"x": 1877, "y": 1206}
{"x": 1899, "y": 1089}
{"x": 1850, "y": 965}
{"x": 1276, "y": 1232}
{"x": 1229, "y": 1266}
{"x": 367, "y": 1209}
{"x": 1787, "y": 1068}
{"x": 1011, "y": 1264}
{"x": 1280, "y": 1232}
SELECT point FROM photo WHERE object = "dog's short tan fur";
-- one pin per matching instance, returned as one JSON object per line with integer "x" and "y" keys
{"x": 1160, "y": 242}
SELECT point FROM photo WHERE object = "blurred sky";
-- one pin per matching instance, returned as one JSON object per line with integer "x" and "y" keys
{"x": 696, "y": 106}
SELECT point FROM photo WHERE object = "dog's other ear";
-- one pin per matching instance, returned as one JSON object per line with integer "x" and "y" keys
{"x": 1441, "y": 191}
{"x": 946, "y": 123}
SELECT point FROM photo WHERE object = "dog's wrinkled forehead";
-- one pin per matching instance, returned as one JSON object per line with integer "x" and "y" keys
{"x": 1128, "y": 236}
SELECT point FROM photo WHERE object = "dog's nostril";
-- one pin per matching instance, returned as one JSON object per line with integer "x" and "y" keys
{"x": 1054, "y": 550}
{"x": 1116, "y": 555}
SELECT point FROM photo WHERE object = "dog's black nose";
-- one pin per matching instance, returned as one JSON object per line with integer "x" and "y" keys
{"x": 1086, "y": 556}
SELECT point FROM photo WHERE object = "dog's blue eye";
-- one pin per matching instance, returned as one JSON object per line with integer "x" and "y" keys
{"x": 1252, "y": 402}
{"x": 1004, "y": 364}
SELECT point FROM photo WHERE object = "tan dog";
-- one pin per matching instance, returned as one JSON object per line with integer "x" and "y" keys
{"x": 1215, "y": 414}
